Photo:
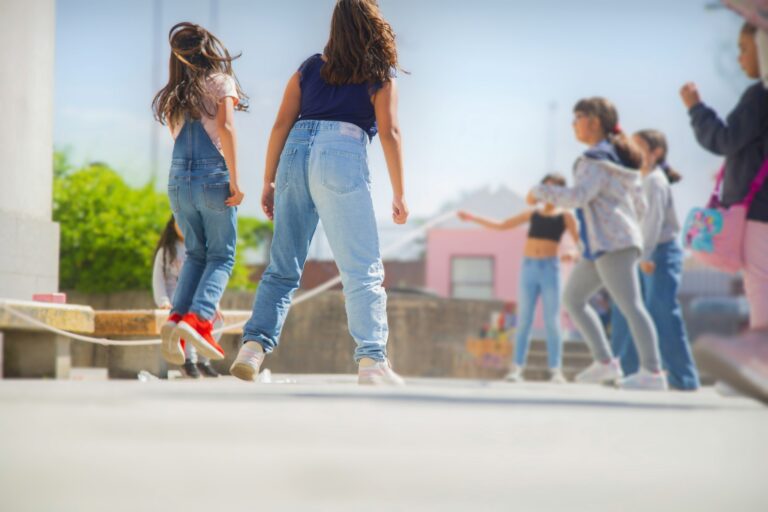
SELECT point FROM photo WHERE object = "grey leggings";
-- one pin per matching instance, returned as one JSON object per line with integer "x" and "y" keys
{"x": 617, "y": 272}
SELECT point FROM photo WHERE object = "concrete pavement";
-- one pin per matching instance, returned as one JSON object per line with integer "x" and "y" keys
{"x": 319, "y": 442}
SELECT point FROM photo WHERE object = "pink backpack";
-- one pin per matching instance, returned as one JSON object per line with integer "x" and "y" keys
{"x": 715, "y": 234}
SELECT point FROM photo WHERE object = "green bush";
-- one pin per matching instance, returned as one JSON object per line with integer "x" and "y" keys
{"x": 251, "y": 233}
{"x": 109, "y": 230}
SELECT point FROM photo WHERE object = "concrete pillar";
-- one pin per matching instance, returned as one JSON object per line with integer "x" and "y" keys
{"x": 29, "y": 240}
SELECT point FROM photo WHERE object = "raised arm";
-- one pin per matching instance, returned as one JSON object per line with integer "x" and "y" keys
{"x": 385, "y": 108}
{"x": 726, "y": 137}
{"x": 286, "y": 117}
{"x": 510, "y": 223}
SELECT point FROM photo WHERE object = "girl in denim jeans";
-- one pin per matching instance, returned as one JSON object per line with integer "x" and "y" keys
{"x": 662, "y": 266}
{"x": 317, "y": 169}
{"x": 198, "y": 104}
{"x": 539, "y": 276}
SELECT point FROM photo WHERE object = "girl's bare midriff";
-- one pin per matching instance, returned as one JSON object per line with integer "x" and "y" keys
{"x": 539, "y": 248}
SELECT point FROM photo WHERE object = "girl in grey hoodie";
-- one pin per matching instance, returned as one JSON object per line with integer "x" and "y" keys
{"x": 609, "y": 200}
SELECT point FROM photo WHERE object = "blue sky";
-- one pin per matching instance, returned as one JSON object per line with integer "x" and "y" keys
{"x": 476, "y": 110}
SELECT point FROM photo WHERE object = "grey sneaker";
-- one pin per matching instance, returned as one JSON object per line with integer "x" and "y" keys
{"x": 379, "y": 374}
{"x": 601, "y": 373}
{"x": 248, "y": 361}
{"x": 645, "y": 380}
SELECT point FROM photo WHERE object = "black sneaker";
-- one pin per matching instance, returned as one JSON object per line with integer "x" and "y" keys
{"x": 207, "y": 369}
{"x": 190, "y": 370}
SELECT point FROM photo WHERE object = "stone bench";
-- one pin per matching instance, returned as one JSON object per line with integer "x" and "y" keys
{"x": 125, "y": 362}
{"x": 32, "y": 352}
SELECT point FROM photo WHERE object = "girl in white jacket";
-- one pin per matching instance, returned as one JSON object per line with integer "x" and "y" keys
{"x": 608, "y": 198}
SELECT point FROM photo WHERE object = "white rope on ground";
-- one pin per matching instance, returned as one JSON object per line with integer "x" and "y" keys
{"x": 317, "y": 290}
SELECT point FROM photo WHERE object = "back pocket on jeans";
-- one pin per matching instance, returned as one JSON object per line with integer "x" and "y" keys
{"x": 284, "y": 168}
{"x": 173, "y": 197}
{"x": 342, "y": 172}
{"x": 215, "y": 196}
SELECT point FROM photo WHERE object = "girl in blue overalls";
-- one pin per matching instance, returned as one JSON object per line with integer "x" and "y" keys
{"x": 198, "y": 105}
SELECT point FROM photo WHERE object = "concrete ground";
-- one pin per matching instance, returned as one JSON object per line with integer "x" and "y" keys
{"x": 319, "y": 442}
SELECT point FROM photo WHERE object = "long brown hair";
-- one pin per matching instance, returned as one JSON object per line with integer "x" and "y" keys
{"x": 361, "y": 48}
{"x": 195, "y": 55}
{"x": 656, "y": 140}
{"x": 608, "y": 117}
{"x": 167, "y": 242}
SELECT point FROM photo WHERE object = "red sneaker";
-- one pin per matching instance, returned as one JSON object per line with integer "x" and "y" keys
{"x": 171, "y": 346}
{"x": 198, "y": 332}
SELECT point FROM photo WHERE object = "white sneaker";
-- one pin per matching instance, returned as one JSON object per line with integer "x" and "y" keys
{"x": 378, "y": 374}
{"x": 171, "y": 347}
{"x": 600, "y": 373}
{"x": 645, "y": 380}
{"x": 556, "y": 376}
{"x": 248, "y": 361}
{"x": 515, "y": 374}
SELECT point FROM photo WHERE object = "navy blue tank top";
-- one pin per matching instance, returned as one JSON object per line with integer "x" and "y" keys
{"x": 324, "y": 102}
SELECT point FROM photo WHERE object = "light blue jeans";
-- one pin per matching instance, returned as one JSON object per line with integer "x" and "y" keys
{"x": 539, "y": 277}
{"x": 197, "y": 188}
{"x": 323, "y": 174}
{"x": 660, "y": 295}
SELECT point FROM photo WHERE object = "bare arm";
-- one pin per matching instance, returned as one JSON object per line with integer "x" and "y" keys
{"x": 385, "y": 107}
{"x": 510, "y": 223}
{"x": 286, "y": 117}
{"x": 225, "y": 122}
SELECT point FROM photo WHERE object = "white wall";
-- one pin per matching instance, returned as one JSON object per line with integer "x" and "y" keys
{"x": 29, "y": 241}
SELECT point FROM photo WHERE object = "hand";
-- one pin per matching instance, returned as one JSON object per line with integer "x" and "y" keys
{"x": 648, "y": 267}
{"x": 399, "y": 210}
{"x": 167, "y": 306}
{"x": 690, "y": 95}
{"x": 571, "y": 256}
{"x": 531, "y": 198}
{"x": 465, "y": 216}
{"x": 268, "y": 200}
{"x": 235, "y": 196}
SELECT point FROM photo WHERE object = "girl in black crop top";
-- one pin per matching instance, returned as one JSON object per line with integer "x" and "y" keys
{"x": 539, "y": 277}
{"x": 546, "y": 227}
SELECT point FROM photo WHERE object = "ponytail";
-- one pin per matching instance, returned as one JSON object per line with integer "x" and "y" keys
{"x": 672, "y": 175}
{"x": 656, "y": 140}
{"x": 628, "y": 153}
{"x": 167, "y": 243}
